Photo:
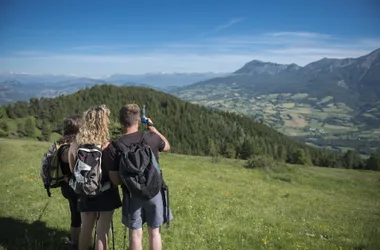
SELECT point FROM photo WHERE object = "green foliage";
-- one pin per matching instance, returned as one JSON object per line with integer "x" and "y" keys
{"x": 3, "y": 133}
{"x": 230, "y": 151}
{"x": 261, "y": 161}
{"x": 299, "y": 157}
{"x": 246, "y": 149}
{"x": 352, "y": 160}
{"x": 4, "y": 126}
{"x": 20, "y": 129}
{"x": 3, "y": 112}
{"x": 373, "y": 163}
{"x": 190, "y": 128}
{"x": 29, "y": 127}
{"x": 45, "y": 131}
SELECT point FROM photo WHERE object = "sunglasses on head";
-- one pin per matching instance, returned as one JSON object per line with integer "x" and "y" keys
{"x": 101, "y": 107}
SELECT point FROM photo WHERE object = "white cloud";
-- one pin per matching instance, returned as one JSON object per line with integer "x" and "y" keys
{"x": 300, "y": 34}
{"x": 321, "y": 52}
{"x": 103, "y": 47}
{"x": 218, "y": 54}
{"x": 230, "y": 23}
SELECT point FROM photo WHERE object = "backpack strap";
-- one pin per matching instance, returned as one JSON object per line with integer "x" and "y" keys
{"x": 118, "y": 146}
{"x": 144, "y": 138}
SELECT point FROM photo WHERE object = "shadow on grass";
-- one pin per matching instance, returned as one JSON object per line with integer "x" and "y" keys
{"x": 18, "y": 234}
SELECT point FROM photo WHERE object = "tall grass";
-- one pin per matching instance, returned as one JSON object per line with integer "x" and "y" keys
{"x": 216, "y": 205}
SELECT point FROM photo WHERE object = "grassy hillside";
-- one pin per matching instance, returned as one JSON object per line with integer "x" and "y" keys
{"x": 191, "y": 129}
{"x": 216, "y": 206}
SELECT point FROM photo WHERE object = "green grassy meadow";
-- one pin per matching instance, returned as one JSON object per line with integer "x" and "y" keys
{"x": 215, "y": 205}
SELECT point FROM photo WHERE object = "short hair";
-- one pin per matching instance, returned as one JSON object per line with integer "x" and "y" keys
{"x": 72, "y": 124}
{"x": 129, "y": 115}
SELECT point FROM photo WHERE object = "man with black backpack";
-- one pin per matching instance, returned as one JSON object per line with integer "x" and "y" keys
{"x": 133, "y": 163}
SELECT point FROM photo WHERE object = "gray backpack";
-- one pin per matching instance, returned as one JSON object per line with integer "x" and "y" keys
{"x": 87, "y": 172}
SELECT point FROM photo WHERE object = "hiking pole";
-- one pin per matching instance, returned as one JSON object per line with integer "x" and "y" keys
{"x": 43, "y": 210}
{"x": 125, "y": 236}
{"x": 113, "y": 235}
{"x": 96, "y": 225}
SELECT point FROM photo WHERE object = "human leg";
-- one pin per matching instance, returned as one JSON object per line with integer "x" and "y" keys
{"x": 154, "y": 238}
{"x": 154, "y": 213}
{"x": 88, "y": 223}
{"x": 135, "y": 239}
{"x": 74, "y": 235}
{"x": 76, "y": 221}
{"x": 102, "y": 229}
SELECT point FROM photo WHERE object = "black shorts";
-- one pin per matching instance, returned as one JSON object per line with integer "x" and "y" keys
{"x": 107, "y": 201}
{"x": 72, "y": 197}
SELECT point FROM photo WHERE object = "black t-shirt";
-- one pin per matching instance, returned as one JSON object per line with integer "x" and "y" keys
{"x": 154, "y": 141}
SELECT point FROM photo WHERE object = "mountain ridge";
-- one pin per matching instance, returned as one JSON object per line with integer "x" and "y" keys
{"x": 342, "y": 94}
{"x": 51, "y": 85}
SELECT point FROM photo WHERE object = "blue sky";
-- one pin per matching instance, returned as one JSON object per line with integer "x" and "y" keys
{"x": 98, "y": 38}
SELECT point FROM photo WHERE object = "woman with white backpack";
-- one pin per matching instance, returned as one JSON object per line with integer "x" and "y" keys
{"x": 98, "y": 198}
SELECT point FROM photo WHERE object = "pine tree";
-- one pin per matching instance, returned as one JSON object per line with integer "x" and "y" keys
{"x": 246, "y": 149}
{"x": 20, "y": 129}
{"x": 45, "y": 131}
{"x": 29, "y": 127}
{"x": 352, "y": 160}
{"x": 373, "y": 163}
{"x": 300, "y": 157}
{"x": 4, "y": 126}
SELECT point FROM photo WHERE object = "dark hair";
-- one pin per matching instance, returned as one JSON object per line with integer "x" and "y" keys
{"x": 72, "y": 124}
{"x": 129, "y": 115}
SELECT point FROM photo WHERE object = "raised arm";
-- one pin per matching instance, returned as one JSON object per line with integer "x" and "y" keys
{"x": 153, "y": 129}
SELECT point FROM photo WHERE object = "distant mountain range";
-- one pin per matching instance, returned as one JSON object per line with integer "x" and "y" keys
{"x": 353, "y": 78}
{"x": 340, "y": 97}
{"x": 17, "y": 87}
{"x": 332, "y": 102}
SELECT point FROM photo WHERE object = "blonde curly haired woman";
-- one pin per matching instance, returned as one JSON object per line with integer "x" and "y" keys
{"x": 94, "y": 130}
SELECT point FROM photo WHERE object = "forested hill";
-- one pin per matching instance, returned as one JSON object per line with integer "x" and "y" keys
{"x": 191, "y": 129}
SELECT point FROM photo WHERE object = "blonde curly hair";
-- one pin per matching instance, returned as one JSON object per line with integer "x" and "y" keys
{"x": 94, "y": 129}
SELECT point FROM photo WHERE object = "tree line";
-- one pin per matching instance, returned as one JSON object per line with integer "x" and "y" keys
{"x": 191, "y": 129}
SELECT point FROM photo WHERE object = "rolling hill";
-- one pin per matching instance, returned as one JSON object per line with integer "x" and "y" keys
{"x": 191, "y": 128}
{"x": 334, "y": 102}
{"x": 21, "y": 87}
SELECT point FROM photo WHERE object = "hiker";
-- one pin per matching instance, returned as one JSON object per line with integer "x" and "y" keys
{"x": 97, "y": 209}
{"x": 70, "y": 129}
{"x": 136, "y": 211}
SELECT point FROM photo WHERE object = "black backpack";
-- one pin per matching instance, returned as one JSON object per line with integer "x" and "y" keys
{"x": 139, "y": 169}
{"x": 51, "y": 169}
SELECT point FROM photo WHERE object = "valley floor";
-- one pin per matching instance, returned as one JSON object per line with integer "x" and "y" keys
{"x": 216, "y": 205}
{"x": 320, "y": 122}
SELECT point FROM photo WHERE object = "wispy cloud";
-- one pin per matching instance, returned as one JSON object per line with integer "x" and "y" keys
{"x": 216, "y": 53}
{"x": 103, "y": 47}
{"x": 221, "y": 27}
{"x": 300, "y": 34}
{"x": 230, "y": 23}
{"x": 28, "y": 52}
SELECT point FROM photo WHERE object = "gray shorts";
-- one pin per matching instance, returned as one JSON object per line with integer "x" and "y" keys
{"x": 150, "y": 211}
